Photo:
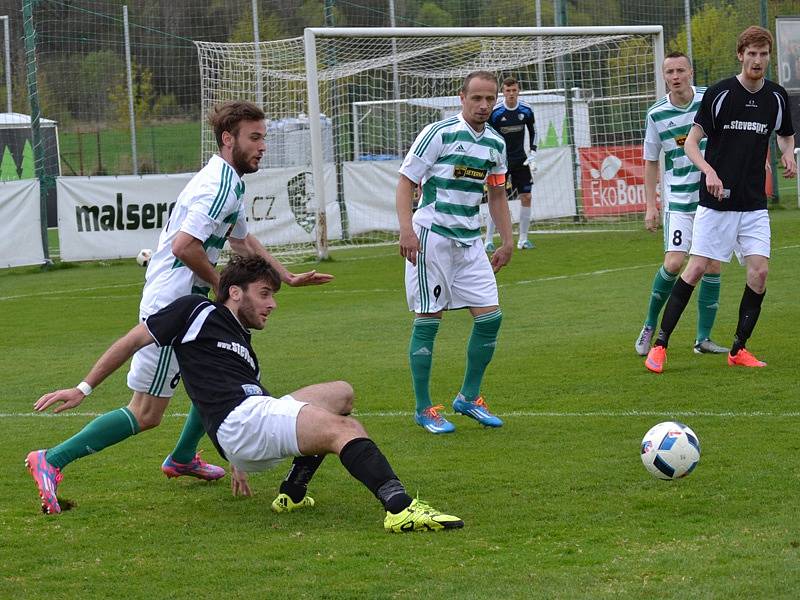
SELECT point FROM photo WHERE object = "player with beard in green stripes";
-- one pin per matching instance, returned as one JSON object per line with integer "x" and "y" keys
{"x": 209, "y": 211}
{"x": 446, "y": 264}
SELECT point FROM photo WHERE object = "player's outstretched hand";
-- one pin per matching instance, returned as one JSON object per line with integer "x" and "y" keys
{"x": 70, "y": 398}
{"x": 409, "y": 246}
{"x": 308, "y": 278}
{"x": 651, "y": 219}
{"x": 239, "y": 484}
{"x": 501, "y": 257}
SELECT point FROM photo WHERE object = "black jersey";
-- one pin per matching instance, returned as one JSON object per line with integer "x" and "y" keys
{"x": 738, "y": 124}
{"x": 217, "y": 362}
{"x": 511, "y": 123}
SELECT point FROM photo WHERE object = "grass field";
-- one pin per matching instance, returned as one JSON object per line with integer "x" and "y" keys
{"x": 556, "y": 503}
{"x": 161, "y": 148}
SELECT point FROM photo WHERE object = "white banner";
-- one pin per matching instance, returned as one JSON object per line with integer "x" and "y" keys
{"x": 20, "y": 219}
{"x": 369, "y": 187}
{"x": 115, "y": 217}
{"x": 553, "y": 193}
{"x": 281, "y": 207}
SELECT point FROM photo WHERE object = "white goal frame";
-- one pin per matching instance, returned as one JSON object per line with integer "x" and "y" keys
{"x": 311, "y": 35}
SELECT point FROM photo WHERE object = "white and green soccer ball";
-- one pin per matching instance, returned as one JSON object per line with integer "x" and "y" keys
{"x": 670, "y": 450}
{"x": 143, "y": 258}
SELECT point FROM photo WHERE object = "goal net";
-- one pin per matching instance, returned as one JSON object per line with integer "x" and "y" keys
{"x": 345, "y": 105}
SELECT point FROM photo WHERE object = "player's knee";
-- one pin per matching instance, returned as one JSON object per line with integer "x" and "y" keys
{"x": 147, "y": 413}
{"x": 693, "y": 272}
{"x": 149, "y": 420}
{"x": 346, "y": 429}
{"x": 757, "y": 278}
{"x": 343, "y": 395}
{"x": 673, "y": 261}
{"x": 714, "y": 267}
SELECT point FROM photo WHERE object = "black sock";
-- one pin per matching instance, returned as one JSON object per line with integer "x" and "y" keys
{"x": 295, "y": 485}
{"x": 364, "y": 461}
{"x": 749, "y": 310}
{"x": 678, "y": 299}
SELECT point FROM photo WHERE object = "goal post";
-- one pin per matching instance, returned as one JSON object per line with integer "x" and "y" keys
{"x": 345, "y": 105}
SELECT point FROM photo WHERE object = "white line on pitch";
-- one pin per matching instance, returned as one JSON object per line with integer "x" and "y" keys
{"x": 79, "y": 290}
{"x": 524, "y": 414}
{"x": 378, "y": 290}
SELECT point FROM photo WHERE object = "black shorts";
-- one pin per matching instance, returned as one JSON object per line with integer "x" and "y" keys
{"x": 518, "y": 179}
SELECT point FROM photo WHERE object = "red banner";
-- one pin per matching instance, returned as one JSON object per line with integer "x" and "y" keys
{"x": 612, "y": 180}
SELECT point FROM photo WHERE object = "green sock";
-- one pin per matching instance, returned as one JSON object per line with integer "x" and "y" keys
{"x": 707, "y": 305}
{"x": 663, "y": 283}
{"x": 420, "y": 356}
{"x": 480, "y": 349}
{"x": 106, "y": 430}
{"x": 193, "y": 431}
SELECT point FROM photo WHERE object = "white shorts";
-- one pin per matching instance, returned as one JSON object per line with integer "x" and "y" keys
{"x": 261, "y": 432}
{"x": 449, "y": 275}
{"x": 678, "y": 231}
{"x": 718, "y": 233}
{"x": 154, "y": 371}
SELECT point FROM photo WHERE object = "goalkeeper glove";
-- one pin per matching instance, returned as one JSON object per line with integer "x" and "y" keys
{"x": 531, "y": 161}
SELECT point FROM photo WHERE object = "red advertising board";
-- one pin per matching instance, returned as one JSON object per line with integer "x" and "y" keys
{"x": 612, "y": 180}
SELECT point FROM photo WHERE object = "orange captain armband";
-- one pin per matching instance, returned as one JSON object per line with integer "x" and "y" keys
{"x": 496, "y": 180}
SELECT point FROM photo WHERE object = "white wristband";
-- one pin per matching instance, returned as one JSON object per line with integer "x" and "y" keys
{"x": 85, "y": 388}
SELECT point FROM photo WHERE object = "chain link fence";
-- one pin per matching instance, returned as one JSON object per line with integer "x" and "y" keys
{"x": 122, "y": 83}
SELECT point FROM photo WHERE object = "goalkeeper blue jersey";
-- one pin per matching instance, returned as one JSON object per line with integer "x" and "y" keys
{"x": 511, "y": 123}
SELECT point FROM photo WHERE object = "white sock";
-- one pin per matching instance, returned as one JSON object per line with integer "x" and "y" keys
{"x": 524, "y": 222}
{"x": 489, "y": 230}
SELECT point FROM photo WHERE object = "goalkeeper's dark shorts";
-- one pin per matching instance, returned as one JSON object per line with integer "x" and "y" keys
{"x": 518, "y": 180}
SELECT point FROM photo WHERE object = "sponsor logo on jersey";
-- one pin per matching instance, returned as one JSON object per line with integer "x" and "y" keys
{"x": 511, "y": 128}
{"x": 503, "y": 118}
{"x": 759, "y": 128}
{"x": 460, "y": 148}
{"x": 671, "y": 124}
{"x": 239, "y": 349}
{"x": 469, "y": 172}
{"x": 252, "y": 390}
{"x": 680, "y": 139}
{"x": 751, "y": 103}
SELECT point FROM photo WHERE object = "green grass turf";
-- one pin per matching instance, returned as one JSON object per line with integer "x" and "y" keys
{"x": 556, "y": 503}
{"x": 160, "y": 148}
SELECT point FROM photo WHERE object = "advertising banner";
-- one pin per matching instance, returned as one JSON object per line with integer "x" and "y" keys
{"x": 369, "y": 187}
{"x": 20, "y": 219}
{"x": 612, "y": 180}
{"x": 115, "y": 217}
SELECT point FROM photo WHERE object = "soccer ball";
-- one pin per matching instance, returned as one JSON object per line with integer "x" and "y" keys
{"x": 670, "y": 450}
{"x": 143, "y": 258}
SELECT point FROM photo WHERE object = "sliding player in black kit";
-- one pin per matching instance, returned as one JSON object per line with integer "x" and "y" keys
{"x": 250, "y": 428}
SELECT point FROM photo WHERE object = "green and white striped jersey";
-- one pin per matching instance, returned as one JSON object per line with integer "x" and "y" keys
{"x": 452, "y": 162}
{"x": 667, "y": 127}
{"x": 210, "y": 209}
